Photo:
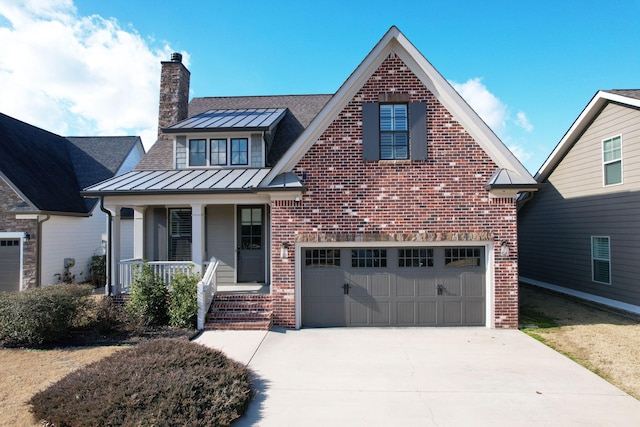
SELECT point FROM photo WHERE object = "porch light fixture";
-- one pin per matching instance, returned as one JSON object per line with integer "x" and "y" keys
{"x": 284, "y": 251}
{"x": 27, "y": 237}
{"x": 504, "y": 248}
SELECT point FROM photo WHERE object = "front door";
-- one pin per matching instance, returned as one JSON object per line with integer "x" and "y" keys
{"x": 251, "y": 254}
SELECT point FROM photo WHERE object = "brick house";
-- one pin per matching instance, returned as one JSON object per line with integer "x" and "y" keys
{"x": 388, "y": 203}
{"x": 48, "y": 231}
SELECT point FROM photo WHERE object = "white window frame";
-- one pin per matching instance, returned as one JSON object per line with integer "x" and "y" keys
{"x": 593, "y": 258}
{"x": 605, "y": 163}
{"x": 208, "y": 138}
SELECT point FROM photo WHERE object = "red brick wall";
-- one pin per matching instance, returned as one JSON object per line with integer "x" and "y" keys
{"x": 441, "y": 198}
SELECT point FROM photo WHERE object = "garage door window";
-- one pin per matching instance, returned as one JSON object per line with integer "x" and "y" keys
{"x": 322, "y": 257}
{"x": 368, "y": 258}
{"x": 462, "y": 257}
{"x": 9, "y": 243}
{"x": 421, "y": 257}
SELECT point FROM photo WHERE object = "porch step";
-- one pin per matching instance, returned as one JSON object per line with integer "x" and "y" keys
{"x": 239, "y": 311}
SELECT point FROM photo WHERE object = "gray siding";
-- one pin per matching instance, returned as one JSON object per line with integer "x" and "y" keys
{"x": 221, "y": 241}
{"x": 556, "y": 226}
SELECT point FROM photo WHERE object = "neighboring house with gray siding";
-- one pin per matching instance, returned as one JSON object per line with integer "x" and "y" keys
{"x": 47, "y": 228}
{"x": 580, "y": 233}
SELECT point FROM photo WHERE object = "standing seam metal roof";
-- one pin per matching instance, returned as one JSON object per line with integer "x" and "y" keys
{"x": 243, "y": 119}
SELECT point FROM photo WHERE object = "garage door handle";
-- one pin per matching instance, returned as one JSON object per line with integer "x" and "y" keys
{"x": 440, "y": 289}
{"x": 345, "y": 288}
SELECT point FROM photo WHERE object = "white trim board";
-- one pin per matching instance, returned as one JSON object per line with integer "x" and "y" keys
{"x": 583, "y": 295}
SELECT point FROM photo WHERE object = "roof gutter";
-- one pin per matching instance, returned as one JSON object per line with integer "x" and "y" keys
{"x": 109, "y": 245}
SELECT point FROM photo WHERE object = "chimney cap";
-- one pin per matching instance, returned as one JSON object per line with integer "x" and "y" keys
{"x": 176, "y": 57}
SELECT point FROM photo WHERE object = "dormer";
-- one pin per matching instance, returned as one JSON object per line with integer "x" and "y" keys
{"x": 230, "y": 138}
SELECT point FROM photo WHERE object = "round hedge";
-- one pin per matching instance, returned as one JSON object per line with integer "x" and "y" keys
{"x": 157, "y": 383}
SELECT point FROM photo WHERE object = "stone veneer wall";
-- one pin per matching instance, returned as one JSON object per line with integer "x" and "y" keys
{"x": 438, "y": 199}
{"x": 8, "y": 223}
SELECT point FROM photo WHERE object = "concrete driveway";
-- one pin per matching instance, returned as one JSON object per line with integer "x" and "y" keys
{"x": 418, "y": 377}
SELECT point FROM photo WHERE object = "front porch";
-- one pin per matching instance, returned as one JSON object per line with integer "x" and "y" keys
{"x": 240, "y": 306}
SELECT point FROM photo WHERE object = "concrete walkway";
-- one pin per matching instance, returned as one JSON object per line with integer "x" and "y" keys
{"x": 418, "y": 377}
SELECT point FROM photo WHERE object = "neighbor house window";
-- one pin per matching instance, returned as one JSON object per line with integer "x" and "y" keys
{"x": 218, "y": 156}
{"x": 601, "y": 259}
{"x": 239, "y": 151}
{"x": 197, "y": 152}
{"x": 612, "y": 160}
{"x": 394, "y": 132}
{"x": 218, "y": 152}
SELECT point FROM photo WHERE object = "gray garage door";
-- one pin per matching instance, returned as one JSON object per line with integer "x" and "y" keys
{"x": 9, "y": 264}
{"x": 393, "y": 287}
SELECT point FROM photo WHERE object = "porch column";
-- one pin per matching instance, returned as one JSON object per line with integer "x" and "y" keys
{"x": 197, "y": 237}
{"x": 115, "y": 250}
{"x": 138, "y": 232}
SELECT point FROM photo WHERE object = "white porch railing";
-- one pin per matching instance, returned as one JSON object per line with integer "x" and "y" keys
{"x": 162, "y": 269}
{"x": 207, "y": 288}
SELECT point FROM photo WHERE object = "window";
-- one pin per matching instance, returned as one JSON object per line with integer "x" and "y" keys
{"x": 180, "y": 234}
{"x": 601, "y": 259}
{"x": 197, "y": 152}
{"x": 612, "y": 160}
{"x": 218, "y": 152}
{"x": 322, "y": 257}
{"x": 394, "y": 132}
{"x": 419, "y": 257}
{"x": 251, "y": 228}
{"x": 239, "y": 151}
{"x": 462, "y": 257}
{"x": 368, "y": 258}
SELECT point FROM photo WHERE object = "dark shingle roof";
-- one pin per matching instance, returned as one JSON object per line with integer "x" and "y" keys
{"x": 631, "y": 93}
{"x": 50, "y": 170}
{"x": 301, "y": 110}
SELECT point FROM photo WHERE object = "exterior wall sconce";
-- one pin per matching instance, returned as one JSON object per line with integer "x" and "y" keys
{"x": 27, "y": 237}
{"x": 284, "y": 251}
{"x": 504, "y": 248}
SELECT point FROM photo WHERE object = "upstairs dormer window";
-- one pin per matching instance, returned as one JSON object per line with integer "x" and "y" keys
{"x": 394, "y": 129}
{"x": 218, "y": 152}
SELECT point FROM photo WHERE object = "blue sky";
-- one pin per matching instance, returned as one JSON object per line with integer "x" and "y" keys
{"x": 528, "y": 68}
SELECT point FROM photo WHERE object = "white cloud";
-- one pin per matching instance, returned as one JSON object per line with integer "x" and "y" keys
{"x": 76, "y": 75}
{"x": 523, "y": 121}
{"x": 496, "y": 114}
{"x": 486, "y": 104}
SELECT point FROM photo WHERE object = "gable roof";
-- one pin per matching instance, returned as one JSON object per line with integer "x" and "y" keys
{"x": 629, "y": 97}
{"x": 300, "y": 110}
{"x": 48, "y": 171}
{"x": 395, "y": 42}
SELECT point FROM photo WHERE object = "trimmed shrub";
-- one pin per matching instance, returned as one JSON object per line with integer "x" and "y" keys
{"x": 41, "y": 315}
{"x": 183, "y": 300}
{"x": 148, "y": 297}
{"x": 160, "y": 383}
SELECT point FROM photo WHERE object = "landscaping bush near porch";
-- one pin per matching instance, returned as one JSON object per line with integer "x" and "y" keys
{"x": 161, "y": 383}
{"x": 41, "y": 315}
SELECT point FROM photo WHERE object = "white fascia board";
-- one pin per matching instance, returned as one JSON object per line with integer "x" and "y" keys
{"x": 335, "y": 105}
{"x": 460, "y": 109}
{"x": 593, "y": 108}
{"x": 111, "y": 202}
{"x": 395, "y": 41}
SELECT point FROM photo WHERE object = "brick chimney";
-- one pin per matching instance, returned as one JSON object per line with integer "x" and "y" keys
{"x": 174, "y": 92}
